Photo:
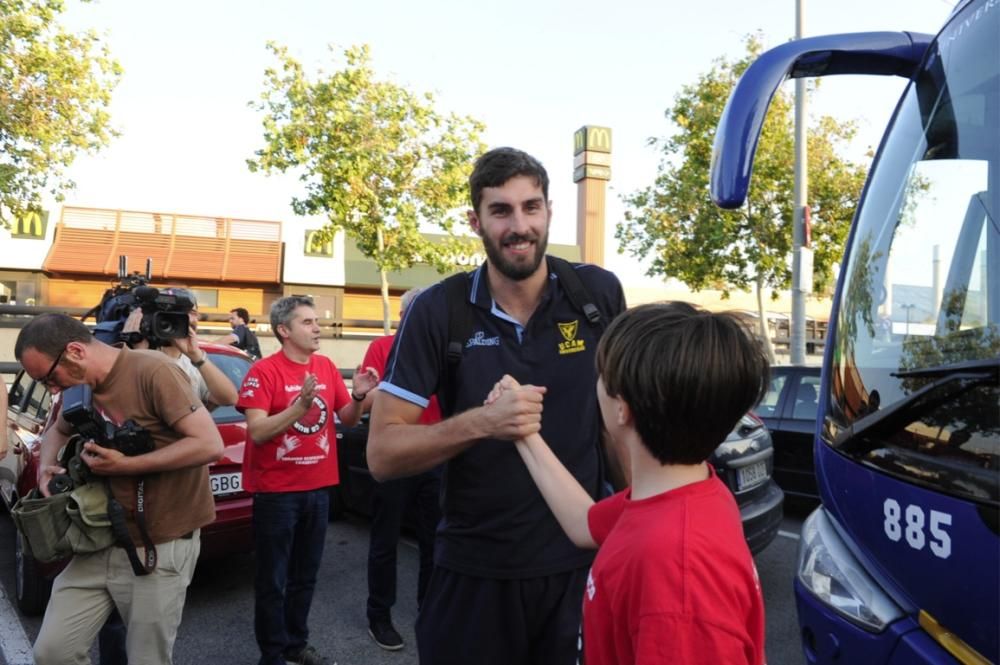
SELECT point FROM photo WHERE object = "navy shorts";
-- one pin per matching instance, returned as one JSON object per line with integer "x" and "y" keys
{"x": 533, "y": 621}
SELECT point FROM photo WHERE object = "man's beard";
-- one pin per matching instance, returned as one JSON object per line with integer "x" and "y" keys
{"x": 520, "y": 270}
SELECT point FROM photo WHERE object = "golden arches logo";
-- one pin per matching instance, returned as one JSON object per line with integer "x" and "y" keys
{"x": 317, "y": 245}
{"x": 592, "y": 138}
{"x": 31, "y": 224}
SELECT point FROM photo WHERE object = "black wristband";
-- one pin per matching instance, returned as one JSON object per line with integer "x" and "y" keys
{"x": 199, "y": 363}
{"x": 356, "y": 398}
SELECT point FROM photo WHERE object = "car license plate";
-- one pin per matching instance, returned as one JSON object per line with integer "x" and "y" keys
{"x": 226, "y": 483}
{"x": 751, "y": 475}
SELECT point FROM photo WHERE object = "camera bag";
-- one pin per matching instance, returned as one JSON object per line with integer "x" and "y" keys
{"x": 74, "y": 522}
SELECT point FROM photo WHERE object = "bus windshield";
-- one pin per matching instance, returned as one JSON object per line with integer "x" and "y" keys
{"x": 920, "y": 299}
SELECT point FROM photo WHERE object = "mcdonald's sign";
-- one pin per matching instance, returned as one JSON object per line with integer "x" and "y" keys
{"x": 317, "y": 245}
{"x": 32, "y": 224}
{"x": 592, "y": 138}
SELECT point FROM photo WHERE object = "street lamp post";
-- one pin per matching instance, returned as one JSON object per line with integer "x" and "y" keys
{"x": 908, "y": 308}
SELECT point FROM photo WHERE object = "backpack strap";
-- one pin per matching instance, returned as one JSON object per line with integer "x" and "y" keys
{"x": 460, "y": 319}
{"x": 580, "y": 298}
{"x": 460, "y": 322}
{"x": 578, "y": 295}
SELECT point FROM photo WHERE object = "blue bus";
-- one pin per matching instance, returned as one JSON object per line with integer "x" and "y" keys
{"x": 901, "y": 562}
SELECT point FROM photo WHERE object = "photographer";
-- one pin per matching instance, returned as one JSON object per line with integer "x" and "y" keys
{"x": 212, "y": 386}
{"x": 165, "y": 492}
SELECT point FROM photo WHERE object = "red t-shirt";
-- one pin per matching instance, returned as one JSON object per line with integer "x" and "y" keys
{"x": 377, "y": 355}
{"x": 673, "y": 581}
{"x": 303, "y": 457}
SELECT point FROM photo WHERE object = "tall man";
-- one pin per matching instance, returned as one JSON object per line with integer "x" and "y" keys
{"x": 507, "y": 584}
{"x": 290, "y": 462}
{"x": 168, "y": 485}
{"x": 390, "y": 500}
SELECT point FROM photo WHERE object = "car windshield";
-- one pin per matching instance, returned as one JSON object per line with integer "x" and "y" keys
{"x": 235, "y": 368}
{"x": 920, "y": 297}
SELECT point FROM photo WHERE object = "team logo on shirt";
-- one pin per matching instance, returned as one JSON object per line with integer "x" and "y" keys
{"x": 571, "y": 343}
{"x": 305, "y": 447}
{"x": 315, "y": 418}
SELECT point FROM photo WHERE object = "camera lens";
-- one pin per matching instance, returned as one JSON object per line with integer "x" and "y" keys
{"x": 60, "y": 483}
{"x": 170, "y": 325}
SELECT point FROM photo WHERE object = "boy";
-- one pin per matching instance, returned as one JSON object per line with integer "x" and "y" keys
{"x": 673, "y": 580}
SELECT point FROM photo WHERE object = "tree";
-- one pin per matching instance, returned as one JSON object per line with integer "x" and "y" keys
{"x": 674, "y": 220}
{"x": 376, "y": 159}
{"x": 55, "y": 88}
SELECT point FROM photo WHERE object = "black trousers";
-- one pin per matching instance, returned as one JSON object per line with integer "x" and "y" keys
{"x": 533, "y": 621}
{"x": 289, "y": 531}
{"x": 390, "y": 501}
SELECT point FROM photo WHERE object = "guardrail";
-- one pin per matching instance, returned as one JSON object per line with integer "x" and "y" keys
{"x": 14, "y": 368}
{"x": 16, "y": 315}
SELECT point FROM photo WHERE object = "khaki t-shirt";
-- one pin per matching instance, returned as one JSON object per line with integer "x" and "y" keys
{"x": 149, "y": 388}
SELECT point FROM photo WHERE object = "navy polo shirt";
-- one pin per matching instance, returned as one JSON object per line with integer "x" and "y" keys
{"x": 496, "y": 523}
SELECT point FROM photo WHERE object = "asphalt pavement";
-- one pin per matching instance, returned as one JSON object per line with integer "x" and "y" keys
{"x": 218, "y": 616}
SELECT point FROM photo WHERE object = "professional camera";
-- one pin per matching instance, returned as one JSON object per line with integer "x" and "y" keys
{"x": 79, "y": 412}
{"x": 164, "y": 316}
{"x": 77, "y": 409}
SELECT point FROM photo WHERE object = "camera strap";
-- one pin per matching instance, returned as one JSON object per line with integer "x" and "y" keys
{"x": 116, "y": 512}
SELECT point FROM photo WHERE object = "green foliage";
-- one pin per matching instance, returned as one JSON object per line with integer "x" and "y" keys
{"x": 55, "y": 89}
{"x": 675, "y": 222}
{"x": 376, "y": 159}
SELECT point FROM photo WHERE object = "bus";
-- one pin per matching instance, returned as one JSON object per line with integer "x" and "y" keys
{"x": 901, "y": 561}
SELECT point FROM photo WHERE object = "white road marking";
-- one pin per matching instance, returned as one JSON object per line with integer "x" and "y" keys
{"x": 788, "y": 534}
{"x": 14, "y": 645}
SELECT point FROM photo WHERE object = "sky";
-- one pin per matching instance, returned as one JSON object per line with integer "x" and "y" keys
{"x": 532, "y": 71}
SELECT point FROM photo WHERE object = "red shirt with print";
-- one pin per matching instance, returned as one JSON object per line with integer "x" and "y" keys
{"x": 673, "y": 581}
{"x": 377, "y": 355}
{"x": 303, "y": 457}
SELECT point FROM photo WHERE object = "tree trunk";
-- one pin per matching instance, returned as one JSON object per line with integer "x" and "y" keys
{"x": 384, "y": 278}
{"x": 765, "y": 330}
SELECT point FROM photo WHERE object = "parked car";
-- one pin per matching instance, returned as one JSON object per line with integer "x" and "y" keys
{"x": 789, "y": 411}
{"x": 31, "y": 408}
{"x": 743, "y": 461}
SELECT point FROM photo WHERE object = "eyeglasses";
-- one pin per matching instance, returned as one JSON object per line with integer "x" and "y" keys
{"x": 47, "y": 379}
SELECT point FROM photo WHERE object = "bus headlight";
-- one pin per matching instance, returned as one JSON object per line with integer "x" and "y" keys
{"x": 828, "y": 569}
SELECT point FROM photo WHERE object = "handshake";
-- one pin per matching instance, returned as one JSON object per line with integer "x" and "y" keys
{"x": 513, "y": 411}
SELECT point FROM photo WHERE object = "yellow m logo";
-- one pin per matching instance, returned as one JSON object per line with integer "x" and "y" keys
{"x": 31, "y": 225}
{"x": 317, "y": 245}
{"x": 592, "y": 138}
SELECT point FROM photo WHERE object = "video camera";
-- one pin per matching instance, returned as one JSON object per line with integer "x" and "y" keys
{"x": 77, "y": 409}
{"x": 164, "y": 316}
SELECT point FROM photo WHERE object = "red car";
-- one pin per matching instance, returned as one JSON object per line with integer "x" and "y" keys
{"x": 31, "y": 409}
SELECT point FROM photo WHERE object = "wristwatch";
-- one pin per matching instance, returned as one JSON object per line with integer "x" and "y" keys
{"x": 356, "y": 398}
{"x": 199, "y": 363}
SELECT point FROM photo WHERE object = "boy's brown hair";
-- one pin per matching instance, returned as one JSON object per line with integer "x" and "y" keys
{"x": 687, "y": 374}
